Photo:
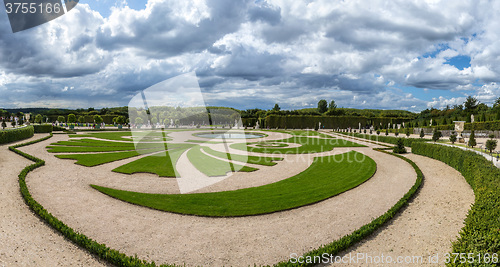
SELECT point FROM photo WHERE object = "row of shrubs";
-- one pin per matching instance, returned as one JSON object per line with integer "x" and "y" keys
{"x": 481, "y": 233}
{"x": 367, "y": 229}
{"x": 387, "y": 139}
{"x": 42, "y": 128}
{"x": 327, "y": 122}
{"x": 102, "y": 251}
{"x": 485, "y": 125}
{"x": 16, "y": 134}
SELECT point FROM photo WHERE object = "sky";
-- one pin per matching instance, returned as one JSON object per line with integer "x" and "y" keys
{"x": 397, "y": 54}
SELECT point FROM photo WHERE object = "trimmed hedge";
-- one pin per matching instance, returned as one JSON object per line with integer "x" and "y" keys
{"x": 102, "y": 251}
{"x": 387, "y": 139}
{"x": 327, "y": 122}
{"x": 347, "y": 241}
{"x": 481, "y": 233}
{"x": 42, "y": 128}
{"x": 12, "y": 135}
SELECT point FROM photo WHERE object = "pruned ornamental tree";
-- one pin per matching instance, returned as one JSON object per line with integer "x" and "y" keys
{"x": 453, "y": 138}
{"x": 491, "y": 144}
{"x": 408, "y": 132}
{"x": 61, "y": 119}
{"x": 98, "y": 119}
{"x": 386, "y": 132}
{"x": 81, "y": 119}
{"x": 400, "y": 146}
{"x": 4, "y": 125}
{"x": 71, "y": 118}
{"x": 422, "y": 134}
{"x": 472, "y": 139}
{"x": 396, "y": 133}
{"x": 13, "y": 123}
{"x": 38, "y": 118}
{"x": 378, "y": 132}
{"x": 436, "y": 135}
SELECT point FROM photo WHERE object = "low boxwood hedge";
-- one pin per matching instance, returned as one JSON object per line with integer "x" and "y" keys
{"x": 481, "y": 233}
{"x": 347, "y": 241}
{"x": 42, "y": 128}
{"x": 102, "y": 251}
{"x": 119, "y": 259}
{"x": 16, "y": 134}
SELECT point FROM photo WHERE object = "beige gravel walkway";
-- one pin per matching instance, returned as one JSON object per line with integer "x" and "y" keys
{"x": 63, "y": 188}
{"x": 428, "y": 225}
{"x": 24, "y": 239}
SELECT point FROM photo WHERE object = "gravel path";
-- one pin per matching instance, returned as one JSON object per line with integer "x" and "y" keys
{"x": 428, "y": 225}
{"x": 63, "y": 188}
{"x": 24, "y": 239}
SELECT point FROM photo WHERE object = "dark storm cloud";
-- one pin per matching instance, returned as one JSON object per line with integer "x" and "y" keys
{"x": 160, "y": 35}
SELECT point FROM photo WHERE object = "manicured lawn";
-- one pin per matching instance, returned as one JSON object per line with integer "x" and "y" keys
{"x": 162, "y": 164}
{"x": 308, "y": 145}
{"x": 214, "y": 167}
{"x": 326, "y": 177}
{"x": 90, "y": 160}
{"x": 266, "y": 161}
{"x": 106, "y": 135}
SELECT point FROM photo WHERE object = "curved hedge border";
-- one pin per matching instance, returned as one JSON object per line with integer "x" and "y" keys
{"x": 119, "y": 259}
{"x": 348, "y": 240}
{"x": 481, "y": 233}
{"x": 16, "y": 134}
{"x": 42, "y": 128}
{"x": 102, "y": 251}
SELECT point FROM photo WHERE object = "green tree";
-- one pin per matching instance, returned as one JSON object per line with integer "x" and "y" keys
{"x": 120, "y": 119}
{"x": 491, "y": 144}
{"x": 98, "y": 119}
{"x": 322, "y": 106}
{"x": 400, "y": 146}
{"x": 396, "y": 133}
{"x": 332, "y": 105}
{"x": 4, "y": 125}
{"x": 453, "y": 138}
{"x": 386, "y": 132}
{"x": 276, "y": 107}
{"x": 436, "y": 135}
{"x": 378, "y": 132}
{"x": 498, "y": 115}
{"x": 61, "y": 119}
{"x": 71, "y": 118}
{"x": 408, "y": 132}
{"x": 422, "y": 134}
{"x": 138, "y": 121}
{"x": 472, "y": 139}
{"x": 470, "y": 105}
{"x": 38, "y": 118}
{"x": 81, "y": 119}
{"x": 497, "y": 103}
{"x": 483, "y": 117}
{"x": 13, "y": 123}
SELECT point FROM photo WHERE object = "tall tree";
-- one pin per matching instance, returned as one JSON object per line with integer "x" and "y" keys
{"x": 276, "y": 107}
{"x": 322, "y": 106}
{"x": 470, "y": 104}
{"x": 332, "y": 105}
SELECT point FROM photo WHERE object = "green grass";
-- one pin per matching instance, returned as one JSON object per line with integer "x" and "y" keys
{"x": 90, "y": 160}
{"x": 118, "y": 136}
{"x": 214, "y": 167}
{"x": 162, "y": 164}
{"x": 266, "y": 161}
{"x": 310, "y": 133}
{"x": 308, "y": 145}
{"x": 326, "y": 177}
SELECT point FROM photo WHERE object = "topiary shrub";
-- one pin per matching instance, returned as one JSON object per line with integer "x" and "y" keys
{"x": 472, "y": 139}
{"x": 400, "y": 146}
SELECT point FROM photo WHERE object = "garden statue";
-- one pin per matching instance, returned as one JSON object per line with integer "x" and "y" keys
{"x": 472, "y": 118}
{"x": 257, "y": 126}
